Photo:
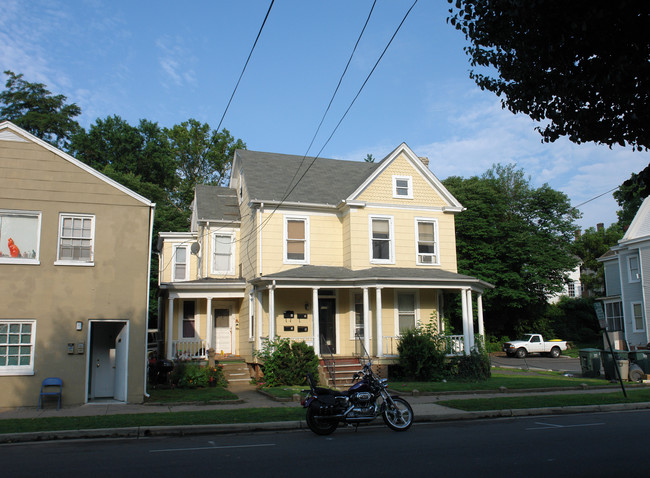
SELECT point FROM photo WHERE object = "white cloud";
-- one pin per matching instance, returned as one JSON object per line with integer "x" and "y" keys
{"x": 175, "y": 61}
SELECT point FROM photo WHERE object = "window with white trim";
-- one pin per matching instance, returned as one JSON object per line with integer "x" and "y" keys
{"x": 189, "y": 327}
{"x": 614, "y": 316}
{"x": 296, "y": 240}
{"x": 571, "y": 289}
{"x": 17, "y": 347}
{"x": 403, "y": 187}
{"x": 222, "y": 254}
{"x": 406, "y": 311}
{"x": 180, "y": 263}
{"x": 381, "y": 240}
{"x": 358, "y": 315}
{"x": 634, "y": 274}
{"x": 76, "y": 239}
{"x": 426, "y": 236}
{"x": 637, "y": 317}
{"x": 20, "y": 233}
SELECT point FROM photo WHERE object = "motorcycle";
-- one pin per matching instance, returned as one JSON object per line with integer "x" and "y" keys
{"x": 364, "y": 401}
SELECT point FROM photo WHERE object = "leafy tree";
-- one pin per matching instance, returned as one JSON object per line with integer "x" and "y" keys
{"x": 592, "y": 244}
{"x": 630, "y": 195}
{"x": 516, "y": 237}
{"x": 33, "y": 107}
{"x": 201, "y": 156}
{"x": 580, "y": 67}
{"x": 369, "y": 158}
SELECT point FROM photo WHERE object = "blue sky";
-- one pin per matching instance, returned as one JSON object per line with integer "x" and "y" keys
{"x": 170, "y": 61}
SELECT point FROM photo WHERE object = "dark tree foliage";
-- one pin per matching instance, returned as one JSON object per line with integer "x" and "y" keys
{"x": 630, "y": 195}
{"x": 580, "y": 67}
{"x": 592, "y": 244}
{"x": 32, "y": 107}
{"x": 516, "y": 237}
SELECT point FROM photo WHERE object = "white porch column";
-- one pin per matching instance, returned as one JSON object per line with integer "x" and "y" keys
{"x": 366, "y": 320}
{"x": 315, "y": 326}
{"x": 467, "y": 345}
{"x": 380, "y": 326}
{"x": 470, "y": 318}
{"x": 259, "y": 320}
{"x": 170, "y": 325}
{"x": 272, "y": 312}
{"x": 210, "y": 324}
{"x": 479, "y": 307}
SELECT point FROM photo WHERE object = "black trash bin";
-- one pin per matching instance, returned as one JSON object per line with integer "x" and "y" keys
{"x": 610, "y": 362}
{"x": 641, "y": 358}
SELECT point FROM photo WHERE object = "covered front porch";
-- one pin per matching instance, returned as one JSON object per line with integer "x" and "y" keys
{"x": 200, "y": 315}
{"x": 330, "y": 307}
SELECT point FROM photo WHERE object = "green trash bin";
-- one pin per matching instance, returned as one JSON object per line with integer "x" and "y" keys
{"x": 590, "y": 362}
{"x": 609, "y": 363}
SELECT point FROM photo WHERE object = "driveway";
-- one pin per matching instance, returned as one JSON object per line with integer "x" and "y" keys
{"x": 560, "y": 364}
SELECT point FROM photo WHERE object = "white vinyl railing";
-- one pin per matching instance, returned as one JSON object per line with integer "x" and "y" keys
{"x": 186, "y": 349}
{"x": 454, "y": 345}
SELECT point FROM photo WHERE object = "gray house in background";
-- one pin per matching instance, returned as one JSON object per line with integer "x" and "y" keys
{"x": 627, "y": 283}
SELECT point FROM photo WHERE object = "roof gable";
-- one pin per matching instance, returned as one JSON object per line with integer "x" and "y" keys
{"x": 11, "y": 132}
{"x": 404, "y": 162}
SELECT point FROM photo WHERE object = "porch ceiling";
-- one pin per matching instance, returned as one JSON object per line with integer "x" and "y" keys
{"x": 326, "y": 276}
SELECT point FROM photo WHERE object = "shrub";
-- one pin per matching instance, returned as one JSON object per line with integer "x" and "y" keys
{"x": 287, "y": 363}
{"x": 473, "y": 367}
{"x": 422, "y": 354}
{"x": 190, "y": 375}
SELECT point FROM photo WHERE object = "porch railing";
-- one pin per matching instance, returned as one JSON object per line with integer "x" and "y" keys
{"x": 186, "y": 349}
{"x": 454, "y": 345}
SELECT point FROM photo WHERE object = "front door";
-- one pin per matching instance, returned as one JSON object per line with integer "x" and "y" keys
{"x": 327, "y": 324}
{"x": 108, "y": 363}
{"x": 222, "y": 332}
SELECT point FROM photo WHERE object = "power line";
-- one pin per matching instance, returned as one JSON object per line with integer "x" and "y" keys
{"x": 596, "y": 197}
{"x": 245, "y": 65}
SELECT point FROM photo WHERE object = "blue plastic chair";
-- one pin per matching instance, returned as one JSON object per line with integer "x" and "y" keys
{"x": 49, "y": 392}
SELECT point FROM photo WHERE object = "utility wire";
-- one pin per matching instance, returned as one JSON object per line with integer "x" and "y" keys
{"x": 245, "y": 65}
{"x": 596, "y": 197}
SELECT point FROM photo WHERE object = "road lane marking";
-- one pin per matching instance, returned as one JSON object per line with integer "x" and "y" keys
{"x": 167, "y": 450}
{"x": 550, "y": 426}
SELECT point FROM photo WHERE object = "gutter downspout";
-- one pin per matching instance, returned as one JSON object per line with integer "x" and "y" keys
{"x": 152, "y": 209}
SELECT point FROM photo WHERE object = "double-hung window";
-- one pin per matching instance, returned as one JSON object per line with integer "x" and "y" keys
{"x": 20, "y": 233}
{"x": 180, "y": 263}
{"x": 637, "y": 317}
{"x": 296, "y": 240}
{"x": 381, "y": 240}
{"x": 76, "y": 239}
{"x": 222, "y": 254}
{"x": 426, "y": 231}
{"x": 614, "y": 316}
{"x": 403, "y": 187}
{"x": 633, "y": 268}
{"x": 189, "y": 329}
{"x": 406, "y": 311}
{"x": 17, "y": 347}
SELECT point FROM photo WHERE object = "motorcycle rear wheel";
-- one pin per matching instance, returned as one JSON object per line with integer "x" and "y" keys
{"x": 319, "y": 426}
{"x": 398, "y": 417}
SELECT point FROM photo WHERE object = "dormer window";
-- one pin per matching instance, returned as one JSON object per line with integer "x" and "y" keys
{"x": 403, "y": 187}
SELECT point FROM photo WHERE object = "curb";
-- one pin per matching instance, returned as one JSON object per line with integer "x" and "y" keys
{"x": 189, "y": 430}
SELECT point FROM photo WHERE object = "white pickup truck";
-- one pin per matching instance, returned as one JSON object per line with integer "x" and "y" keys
{"x": 533, "y": 344}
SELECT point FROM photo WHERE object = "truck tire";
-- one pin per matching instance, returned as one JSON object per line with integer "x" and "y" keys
{"x": 521, "y": 352}
{"x": 555, "y": 352}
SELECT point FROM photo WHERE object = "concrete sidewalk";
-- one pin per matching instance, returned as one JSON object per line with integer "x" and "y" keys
{"x": 425, "y": 409}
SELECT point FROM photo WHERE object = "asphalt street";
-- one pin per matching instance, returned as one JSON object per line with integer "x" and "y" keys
{"x": 560, "y": 364}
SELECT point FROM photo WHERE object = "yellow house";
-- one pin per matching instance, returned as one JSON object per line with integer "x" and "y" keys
{"x": 315, "y": 250}
{"x": 74, "y": 267}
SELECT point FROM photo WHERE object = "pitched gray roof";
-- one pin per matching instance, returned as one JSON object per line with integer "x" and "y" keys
{"x": 269, "y": 176}
{"x": 215, "y": 203}
{"x": 309, "y": 273}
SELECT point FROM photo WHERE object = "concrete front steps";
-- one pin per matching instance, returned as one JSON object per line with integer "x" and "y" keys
{"x": 236, "y": 371}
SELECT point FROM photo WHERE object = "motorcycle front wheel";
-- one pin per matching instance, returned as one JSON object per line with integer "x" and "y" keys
{"x": 319, "y": 426}
{"x": 398, "y": 417}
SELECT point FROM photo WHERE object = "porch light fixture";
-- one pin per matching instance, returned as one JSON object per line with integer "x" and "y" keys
{"x": 306, "y": 306}
{"x": 80, "y": 325}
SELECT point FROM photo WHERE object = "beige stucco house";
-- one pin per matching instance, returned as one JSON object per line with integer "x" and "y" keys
{"x": 74, "y": 268}
{"x": 315, "y": 250}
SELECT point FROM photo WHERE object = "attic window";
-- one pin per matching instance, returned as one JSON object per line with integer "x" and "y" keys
{"x": 403, "y": 187}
